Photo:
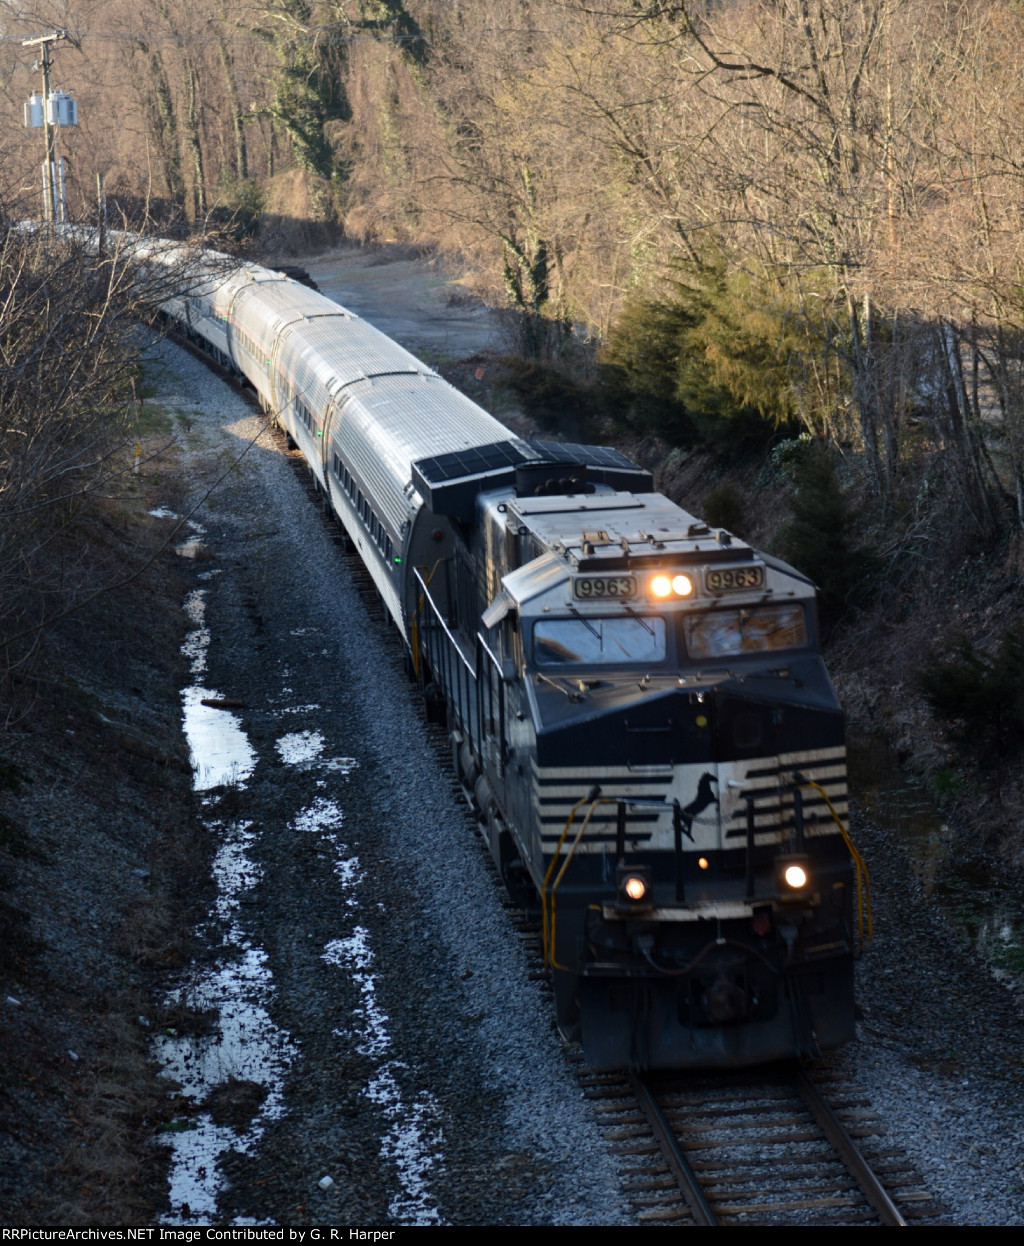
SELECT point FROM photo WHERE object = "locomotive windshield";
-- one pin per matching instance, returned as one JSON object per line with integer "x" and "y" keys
{"x": 595, "y": 641}
{"x": 731, "y": 633}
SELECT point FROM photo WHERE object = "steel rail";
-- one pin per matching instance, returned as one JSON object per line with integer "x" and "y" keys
{"x": 848, "y": 1150}
{"x": 695, "y": 1197}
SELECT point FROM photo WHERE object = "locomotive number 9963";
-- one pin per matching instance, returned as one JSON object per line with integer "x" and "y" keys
{"x": 604, "y": 587}
{"x": 734, "y": 579}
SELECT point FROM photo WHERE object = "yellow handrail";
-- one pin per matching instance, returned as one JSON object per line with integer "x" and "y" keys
{"x": 860, "y": 869}
{"x": 547, "y": 877}
{"x": 548, "y": 922}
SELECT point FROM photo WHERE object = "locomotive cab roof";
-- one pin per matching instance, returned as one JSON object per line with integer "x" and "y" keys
{"x": 604, "y": 531}
{"x": 604, "y": 552}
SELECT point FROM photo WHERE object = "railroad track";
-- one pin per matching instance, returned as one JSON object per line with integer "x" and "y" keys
{"x": 760, "y": 1147}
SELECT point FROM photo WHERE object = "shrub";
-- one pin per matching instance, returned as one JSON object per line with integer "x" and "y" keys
{"x": 556, "y": 400}
{"x": 979, "y": 697}
{"x": 710, "y": 362}
{"x": 68, "y": 418}
{"x": 784, "y": 459}
{"x": 724, "y": 507}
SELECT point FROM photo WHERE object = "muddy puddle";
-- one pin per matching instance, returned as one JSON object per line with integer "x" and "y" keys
{"x": 227, "y": 1058}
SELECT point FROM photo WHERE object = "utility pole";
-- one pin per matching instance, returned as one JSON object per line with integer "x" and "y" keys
{"x": 49, "y": 172}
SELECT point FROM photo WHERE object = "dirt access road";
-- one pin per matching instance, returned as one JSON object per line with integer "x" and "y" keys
{"x": 411, "y": 299}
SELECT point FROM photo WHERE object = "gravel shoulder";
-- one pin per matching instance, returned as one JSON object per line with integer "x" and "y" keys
{"x": 938, "y": 1049}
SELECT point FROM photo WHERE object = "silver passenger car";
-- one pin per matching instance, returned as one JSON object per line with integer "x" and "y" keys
{"x": 361, "y": 408}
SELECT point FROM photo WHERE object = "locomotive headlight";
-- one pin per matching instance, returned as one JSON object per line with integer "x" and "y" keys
{"x": 795, "y": 876}
{"x": 634, "y": 886}
{"x": 793, "y": 873}
{"x": 664, "y": 585}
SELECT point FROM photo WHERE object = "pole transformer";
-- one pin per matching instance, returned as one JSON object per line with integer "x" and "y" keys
{"x": 44, "y": 42}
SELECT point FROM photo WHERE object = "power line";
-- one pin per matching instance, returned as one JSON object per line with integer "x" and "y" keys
{"x": 149, "y": 37}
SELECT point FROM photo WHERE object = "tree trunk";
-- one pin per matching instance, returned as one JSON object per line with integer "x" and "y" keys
{"x": 864, "y": 388}
{"x": 237, "y": 120}
{"x": 163, "y": 125}
{"x": 193, "y": 146}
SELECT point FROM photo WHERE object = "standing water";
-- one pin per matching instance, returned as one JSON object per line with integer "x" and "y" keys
{"x": 237, "y": 1055}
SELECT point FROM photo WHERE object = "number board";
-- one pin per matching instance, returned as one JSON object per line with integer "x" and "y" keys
{"x": 732, "y": 579}
{"x": 603, "y": 587}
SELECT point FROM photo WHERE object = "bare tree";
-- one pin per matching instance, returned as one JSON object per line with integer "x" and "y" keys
{"x": 69, "y": 321}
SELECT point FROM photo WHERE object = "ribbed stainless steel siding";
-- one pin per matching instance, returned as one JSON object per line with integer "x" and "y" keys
{"x": 389, "y": 423}
{"x": 262, "y": 310}
{"x": 322, "y": 356}
{"x": 371, "y": 556}
{"x": 320, "y": 346}
{"x": 352, "y": 348}
{"x": 308, "y": 371}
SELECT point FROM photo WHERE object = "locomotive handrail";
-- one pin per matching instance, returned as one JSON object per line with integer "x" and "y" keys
{"x": 548, "y": 923}
{"x": 437, "y": 614}
{"x": 414, "y": 626}
{"x": 860, "y": 869}
{"x": 547, "y": 874}
{"x": 484, "y": 648}
{"x": 462, "y": 680}
{"x": 489, "y": 651}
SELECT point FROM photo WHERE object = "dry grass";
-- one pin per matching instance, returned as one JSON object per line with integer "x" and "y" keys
{"x": 109, "y": 1171}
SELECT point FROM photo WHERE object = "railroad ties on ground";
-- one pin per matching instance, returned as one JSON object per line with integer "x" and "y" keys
{"x": 752, "y": 1149}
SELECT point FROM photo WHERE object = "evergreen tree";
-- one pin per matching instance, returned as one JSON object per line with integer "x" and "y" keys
{"x": 817, "y": 540}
